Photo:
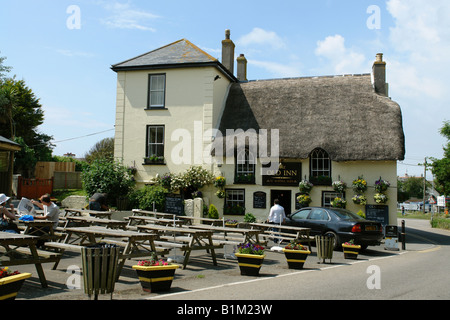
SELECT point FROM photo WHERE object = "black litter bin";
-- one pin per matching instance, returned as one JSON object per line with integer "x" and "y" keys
{"x": 99, "y": 268}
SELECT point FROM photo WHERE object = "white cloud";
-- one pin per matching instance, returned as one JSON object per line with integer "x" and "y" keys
{"x": 260, "y": 36}
{"x": 71, "y": 53}
{"x": 421, "y": 40}
{"x": 124, "y": 16}
{"x": 342, "y": 59}
{"x": 278, "y": 70}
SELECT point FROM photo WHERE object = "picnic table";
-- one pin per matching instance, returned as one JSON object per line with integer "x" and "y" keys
{"x": 87, "y": 221}
{"x": 43, "y": 229}
{"x": 196, "y": 220}
{"x": 186, "y": 239}
{"x": 231, "y": 235}
{"x": 284, "y": 232}
{"x": 135, "y": 244}
{"x": 20, "y": 249}
{"x": 140, "y": 220}
{"x": 146, "y": 213}
{"x": 84, "y": 212}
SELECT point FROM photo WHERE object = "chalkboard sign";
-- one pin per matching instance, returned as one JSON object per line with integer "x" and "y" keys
{"x": 259, "y": 200}
{"x": 174, "y": 204}
{"x": 378, "y": 213}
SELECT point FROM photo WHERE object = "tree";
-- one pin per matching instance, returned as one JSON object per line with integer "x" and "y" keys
{"x": 411, "y": 187}
{"x": 103, "y": 149}
{"x": 441, "y": 167}
{"x": 22, "y": 114}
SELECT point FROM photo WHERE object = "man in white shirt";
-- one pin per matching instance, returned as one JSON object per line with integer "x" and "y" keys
{"x": 51, "y": 210}
{"x": 276, "y": 216}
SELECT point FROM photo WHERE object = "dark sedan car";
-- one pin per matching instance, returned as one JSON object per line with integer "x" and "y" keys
{"x": 344, "y": 225}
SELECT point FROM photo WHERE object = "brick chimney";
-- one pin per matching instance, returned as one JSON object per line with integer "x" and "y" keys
{"x": 228, "y": 52}
{"x": 242, "y": 68}
{"x": 379, "y": 75}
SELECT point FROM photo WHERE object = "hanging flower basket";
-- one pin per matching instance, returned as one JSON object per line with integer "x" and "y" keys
{"x": 381, "y": 185}
{"x": 304, "y": 200}
{"x": 339, "y": 186}
{"x": 220, "y": 182}
{"x": 359, "y": 185}
{"x": 305, "y": 186}
{"x": 338, "y": 203}
{"x": 380, "y": 198}
{"x": 359, "y": 199}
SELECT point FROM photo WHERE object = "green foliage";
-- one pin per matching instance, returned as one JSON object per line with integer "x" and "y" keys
{"x": 441, "y": 167}
{"x": 145, "y": 197}
{"x": 107, "y": 177}
{"x": 213, "y": 213}
{"x": 249, "y": 217}
{"x": 104, "y": 149}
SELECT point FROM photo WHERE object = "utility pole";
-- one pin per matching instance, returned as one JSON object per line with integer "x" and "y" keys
{"x": 424, "y": 184}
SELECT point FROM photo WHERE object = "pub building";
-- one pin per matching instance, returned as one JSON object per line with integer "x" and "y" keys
{"x": 181, "y": 106}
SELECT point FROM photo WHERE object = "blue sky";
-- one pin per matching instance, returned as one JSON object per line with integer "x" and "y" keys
{"x": 65, "y": 55}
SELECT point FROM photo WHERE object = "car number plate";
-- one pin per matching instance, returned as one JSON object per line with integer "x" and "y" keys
{"x": 371, "y": 228}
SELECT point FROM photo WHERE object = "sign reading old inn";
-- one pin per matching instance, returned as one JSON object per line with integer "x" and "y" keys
{"x": 330, "y": 128}
{"x": 288, "y": 174}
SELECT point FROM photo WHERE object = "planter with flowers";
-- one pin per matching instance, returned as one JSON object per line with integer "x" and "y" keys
{"x": 359, "y": 185}
{"x": 339, "y": 203}
{"x": 296, "y": 255}
{"x": 11, "y": 282}
{"x": 250, "y": 258}
{"x": 339, "y": 186}
{"x": 351, "y": 250}
{"x": 231, "y": 223}
{"x": 380, "y": 198}
{"x": 155, "y": 275}
{"x": 359, "y": 199}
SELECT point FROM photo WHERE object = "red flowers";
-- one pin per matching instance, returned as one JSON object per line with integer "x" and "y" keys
{"x": 5, "y": 272}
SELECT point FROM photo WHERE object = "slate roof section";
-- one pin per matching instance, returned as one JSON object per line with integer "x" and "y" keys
{"x": 179, "y": 54}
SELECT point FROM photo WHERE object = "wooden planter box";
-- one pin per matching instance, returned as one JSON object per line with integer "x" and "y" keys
{"x": 10, "y": 286}
{"x": 250, "y": 264}
{"x": 351, "y": 251}
{"x": 156, "y": 278}
{"x": 296, "y": 258}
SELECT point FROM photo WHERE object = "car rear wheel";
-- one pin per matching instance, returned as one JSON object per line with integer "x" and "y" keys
{"x": 337, "y": 242}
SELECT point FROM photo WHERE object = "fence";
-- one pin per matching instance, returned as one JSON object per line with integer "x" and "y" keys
{"x": 33, "y": 188}
{"x": 67, "y": 180}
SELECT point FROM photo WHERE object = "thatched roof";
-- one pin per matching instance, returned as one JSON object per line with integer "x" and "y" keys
{"x": 342, "y": 115}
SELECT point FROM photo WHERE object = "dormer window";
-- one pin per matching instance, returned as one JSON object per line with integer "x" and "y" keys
{"x": 320, "y": 167}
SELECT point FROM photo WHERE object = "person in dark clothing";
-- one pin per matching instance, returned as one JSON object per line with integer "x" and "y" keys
{"x": 98, "y": 202}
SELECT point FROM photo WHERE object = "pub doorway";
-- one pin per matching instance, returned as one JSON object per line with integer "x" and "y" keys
{"x": 285, "y": 197}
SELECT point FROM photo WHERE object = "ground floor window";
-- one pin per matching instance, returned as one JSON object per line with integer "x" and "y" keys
{"x": 234, "y": 202}
{"x": 328, "y": 196}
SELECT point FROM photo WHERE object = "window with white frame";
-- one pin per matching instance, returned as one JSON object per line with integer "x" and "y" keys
{"x": 155, "y": 142}
{"x": 245, "y": 167}
{"x": 234, "y": 202}
{"x": 156, "y": 91}
{"x": 328, "y": 196}
{"x": 320, "y": 163}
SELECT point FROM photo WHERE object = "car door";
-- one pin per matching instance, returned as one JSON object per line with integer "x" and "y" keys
{"x": 317, "y": 221}
{"x": 299, "y": 218}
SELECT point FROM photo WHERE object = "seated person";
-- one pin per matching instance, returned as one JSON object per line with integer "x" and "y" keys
{"x": 51, "y": 210}
{"x": 7, "y": 216}
{"x": 98, "y": 202}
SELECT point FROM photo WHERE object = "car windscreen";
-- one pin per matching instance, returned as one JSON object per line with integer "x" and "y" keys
{"x": 346, "y": 215}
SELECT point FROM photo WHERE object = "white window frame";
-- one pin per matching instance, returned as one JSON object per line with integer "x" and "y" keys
{"x": 155, "y": 91}
{"x": 156, "y": 143}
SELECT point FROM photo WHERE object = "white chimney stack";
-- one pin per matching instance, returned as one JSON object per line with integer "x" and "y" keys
{"x": 228, "y": 52}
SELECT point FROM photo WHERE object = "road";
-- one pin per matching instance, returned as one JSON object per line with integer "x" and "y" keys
{"x": 419, "y": 272}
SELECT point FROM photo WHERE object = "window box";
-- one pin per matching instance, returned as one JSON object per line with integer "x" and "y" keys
{"x": 154, "y": 160}
{"x": 244, "y": 179}
{"x": 320, "y": 181}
